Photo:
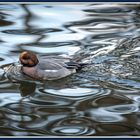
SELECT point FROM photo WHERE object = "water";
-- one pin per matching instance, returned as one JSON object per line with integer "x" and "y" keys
{"x": 102, "y": 99}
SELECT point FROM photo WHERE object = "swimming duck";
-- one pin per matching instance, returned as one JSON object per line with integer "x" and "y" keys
{"x": 45, "y": 68}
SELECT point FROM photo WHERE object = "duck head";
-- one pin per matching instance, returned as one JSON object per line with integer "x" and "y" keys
{"x": 28, "y": 59}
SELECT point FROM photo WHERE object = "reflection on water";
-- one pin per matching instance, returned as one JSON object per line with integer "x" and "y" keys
{"x": 100, "y": 100}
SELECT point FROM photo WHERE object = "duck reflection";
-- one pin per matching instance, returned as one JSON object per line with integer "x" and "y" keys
{"x": 27, "y": 88}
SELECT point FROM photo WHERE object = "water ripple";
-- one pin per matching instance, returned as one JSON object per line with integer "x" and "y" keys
{"x": 31, "y": 31}
{"x": 122, "y": 109}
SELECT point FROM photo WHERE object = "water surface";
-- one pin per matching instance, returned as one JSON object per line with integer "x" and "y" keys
{"x": 102, "y": 99}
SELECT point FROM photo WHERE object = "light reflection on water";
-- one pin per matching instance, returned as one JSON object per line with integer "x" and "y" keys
{"x": 100, "y": 100}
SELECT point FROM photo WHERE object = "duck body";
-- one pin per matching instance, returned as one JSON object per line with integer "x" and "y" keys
{"x": 47, "y": 67}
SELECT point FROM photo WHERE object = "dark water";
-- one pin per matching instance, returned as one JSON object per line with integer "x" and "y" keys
{"x": 100, "y": 100}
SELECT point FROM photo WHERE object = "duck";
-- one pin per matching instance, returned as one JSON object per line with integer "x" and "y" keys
{"x": 45, "y": 68}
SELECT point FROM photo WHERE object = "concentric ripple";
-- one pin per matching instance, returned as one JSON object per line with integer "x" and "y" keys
{"x": 72, "y": 127}
{"x": 76, "y": 92}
